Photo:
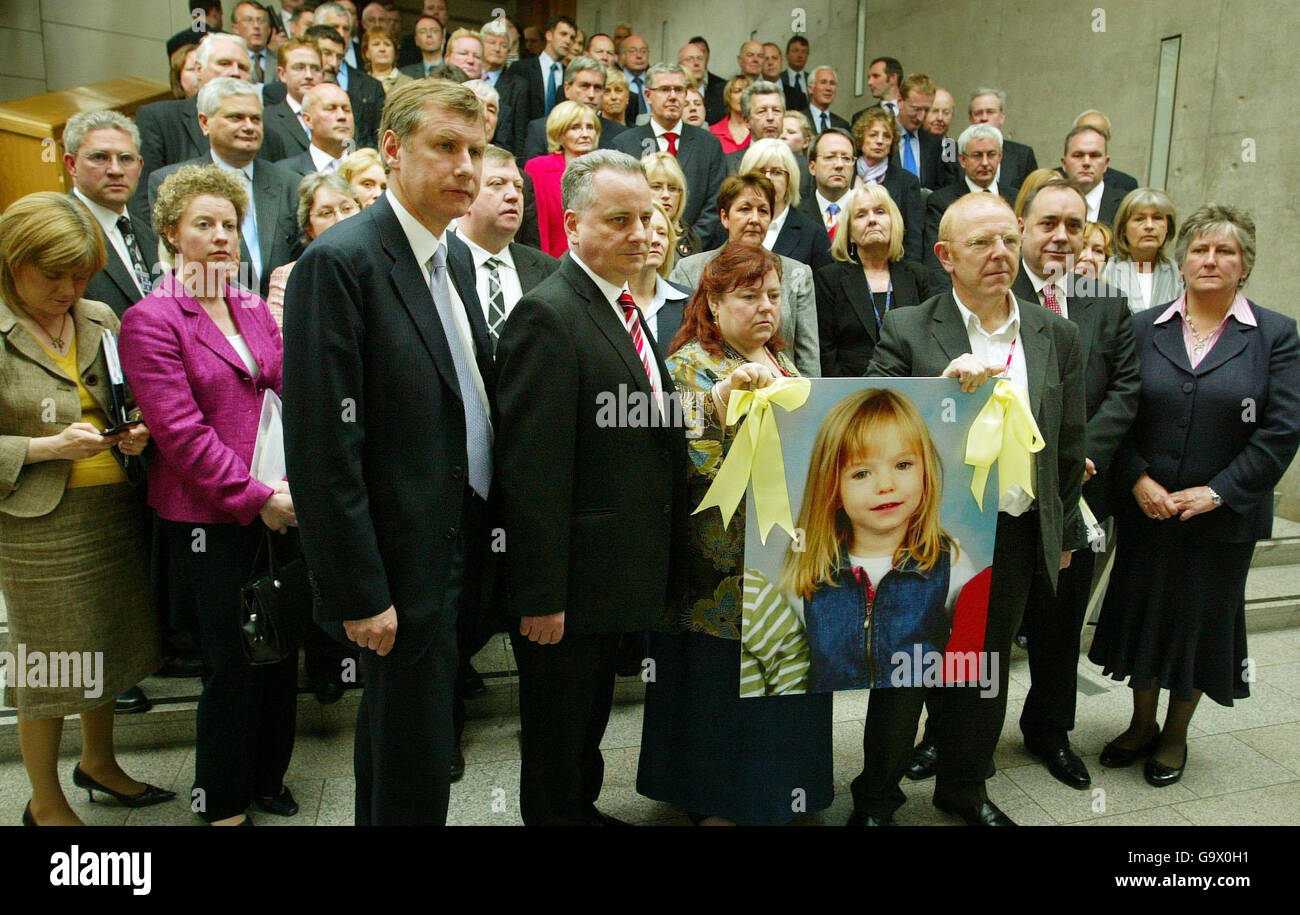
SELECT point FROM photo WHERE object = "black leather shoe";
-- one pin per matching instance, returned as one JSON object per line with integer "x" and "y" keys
{"x": 132, "y": 702}
{"x": 1116, "y": 757}
{"x": 598, "y": 818}
{"x": 986, "y": 814}
{"x": 1066, "y": 767}
{"x": 151, "y": 794}
{"x": 181, "y": 667}
{"x": 457, "y": 763}
{"x": 328, "y": 691}
{"x": 1158, "y": 775}
{"x": 470, "y": 683}
{"x": 866, "y": 819}
{"x": 282, "y": 805}
{"x": 925, "y": 757}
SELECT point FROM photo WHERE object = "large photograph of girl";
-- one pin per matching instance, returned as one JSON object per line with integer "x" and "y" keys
{"x": 885, "y": 581}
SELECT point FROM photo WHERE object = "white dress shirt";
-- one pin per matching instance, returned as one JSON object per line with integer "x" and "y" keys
{"x": 664, "y": 293}
{"x": 823, "y": 203}
{"x": 107, "y": 220}
{"x": 423, "y": 245}
{"x": 774, "y": 229}
{"x": 995, "y": 348}
{"x": 976, "y": 189}
{"x": 323, "y": 161}
{"x": 797, "y": 79}
{"x": 1093, "y": 199}
{"x": 1039, "y": 282}
{"x": 512, "y": 289}
{"x": 611, "y": 294}
{"x": 662, "y": 140}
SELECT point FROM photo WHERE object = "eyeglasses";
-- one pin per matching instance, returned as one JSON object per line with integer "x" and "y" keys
{"x": 101, "y": 159}
{"x": 670, "y": 90}
{"x": 772, "y": 172}
{"x": 348, "y": 209}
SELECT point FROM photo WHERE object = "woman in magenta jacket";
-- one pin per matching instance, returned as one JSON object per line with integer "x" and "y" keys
{"x": 199, "y": 353}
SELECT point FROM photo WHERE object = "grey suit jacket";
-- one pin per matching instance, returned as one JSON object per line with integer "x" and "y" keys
{"x": 798, "y": 306}
{"x": 532, "y": 265}
{"x": 275, "y": 197}
{"x": 919, "y": 342}
{"x": 301, "y": 164}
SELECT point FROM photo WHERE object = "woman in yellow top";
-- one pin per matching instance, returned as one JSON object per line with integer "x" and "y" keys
{"x": 74, "y": 557}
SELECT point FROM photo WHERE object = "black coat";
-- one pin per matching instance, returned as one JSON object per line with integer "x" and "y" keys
{"x": 606, "y": 499}
{"x": 1018, "y": 160}
{"x": 700, "y": 155}
{"x": 115, "y": 284}
{"x": 535, "y": 143}
{"x": 511, "y": 112}
{"x": 846, "y": 323}
{"x": 803, "y": 240}
{"x": 905, "y": 190}
{"x": 367, "y": 96}
{"x": 533, "y": 265}
{"x": 280, "y": 120}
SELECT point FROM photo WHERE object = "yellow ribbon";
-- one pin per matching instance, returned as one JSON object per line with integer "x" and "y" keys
{"x": 1005, "y": 432}
{"x": 756, "y": 455}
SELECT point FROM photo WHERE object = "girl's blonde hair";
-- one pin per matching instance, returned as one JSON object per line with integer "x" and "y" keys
{"x": 848, "y": 432}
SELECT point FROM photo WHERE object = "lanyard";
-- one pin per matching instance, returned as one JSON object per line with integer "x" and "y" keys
{"x": 889, "y": 295}
{"x": 1006, "y": 369}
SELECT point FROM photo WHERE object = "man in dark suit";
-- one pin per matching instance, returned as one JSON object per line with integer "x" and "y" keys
{"x": 1085, "y": 162}
{"x": 974, "y": 333}
{"x": 793, "y": 79}
{"x": 694, "y": 59}
{"x": 299, "y": 70}
{"x": 365, "y": 91}
{"x": 919, "y": 151}
{"x": 698, "y": 152}
{"x": 763, "y": 106}
{"x": 251, "y": 22}
{"x": 327, "y": 109}
{"x": 607, "y": 500}
{"x": 1121, "y": 181}
{"x": 634, "y": 58}
{"x": 230, "y": 115}
{"x": 584, "y": 82}
{"x": 1052, "y": 226}
{"x": 979, "y": 151}
{"x": 384, "y": 324}
{"x": 989, "y": 106}
{"x": 821, "y": 95}
{"x": 830, "y": 163}
{"x": 102, "y": 157}
{"x": 541, "y": 78}
{"x": 422, "y": 50}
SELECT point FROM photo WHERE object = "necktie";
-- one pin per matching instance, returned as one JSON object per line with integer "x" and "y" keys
{"x": 138, "y": 265}
{"x": 248, "y": 228}
{"x": 637, "y": 82}
{"x": 257, "y": 67}
{"x": 909, "y": 158}
{"x": 892, "y": 108}
{"x": 672, "y": 142}
{"x": 826, "y": 123}
{"x": 496, "y": 316}
{"x": 553, "y": 87}
{"x": 831, "y": 222}
{"x": 478, "y": 427}
{"x": 632, "y": 319}
{"x": 1049, "y": 298}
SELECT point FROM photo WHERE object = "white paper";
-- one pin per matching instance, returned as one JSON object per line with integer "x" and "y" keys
{"x": 268, "y": 454}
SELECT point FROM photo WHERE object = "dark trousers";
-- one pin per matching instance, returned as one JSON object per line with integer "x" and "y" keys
{"x": 1052, "y": 625}
{"x": 246, "y": 714}
{"x": 402, "y": 754}
{"x": 566, "y": 691}
{"x": 325, "y": 658}
{"x": 967, "y": 731}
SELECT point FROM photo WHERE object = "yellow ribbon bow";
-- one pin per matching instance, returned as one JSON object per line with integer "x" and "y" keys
{"x": 1004, "y": 431}
{"x": 756, "y": 455}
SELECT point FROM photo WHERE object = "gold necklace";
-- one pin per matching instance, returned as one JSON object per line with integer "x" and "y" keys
{"x": 56, "y": 342}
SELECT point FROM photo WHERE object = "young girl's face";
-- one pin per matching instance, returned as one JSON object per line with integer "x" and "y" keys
{"x": 882, "y": 490}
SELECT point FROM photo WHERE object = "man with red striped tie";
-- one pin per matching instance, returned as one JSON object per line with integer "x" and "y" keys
{"x": 592, "y": 499}
{"x": 830, "y": 161}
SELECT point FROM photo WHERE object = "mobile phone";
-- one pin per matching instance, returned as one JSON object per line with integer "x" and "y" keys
{"x": 118, "y": 430}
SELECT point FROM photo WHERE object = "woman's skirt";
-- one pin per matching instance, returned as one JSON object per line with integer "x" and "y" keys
{"x": 76, "y": 584}
{"x": 1175, "y": 612}
{"x": 760, "y": 761}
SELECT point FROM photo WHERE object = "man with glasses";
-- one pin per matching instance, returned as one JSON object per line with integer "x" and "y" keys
{"x": 634, "y": 58}
{"x": 831, "y": 165}
{"x": 919, "y": 151}
{"x": 428, "y": 48}
{"x": 251, "y": 22}
{"x": 584, "y": 82}
{"x": 980, "y": 151}
{"x": 299, "y": 70}
{"x": 698, "y": 152}
{"x": 694, "y": 59}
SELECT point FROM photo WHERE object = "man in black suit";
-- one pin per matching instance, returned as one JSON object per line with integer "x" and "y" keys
{"x": 584, "y": 82}
{"x": 230, "y": 115}
{"x": 1121, "y": 181}
{"x": 693, "y": 57}
{"x": 102, "y": 157}
{"x": 973, "y": 333}
{"x": 328, "y": 112}
{"x": 365, "y": 91}
{"x": 388, "y": 431}
{"x": 919, "y": 151}
{"x": 979, "y": 150}
{"x": 634, "y": 58}
{"x": 606, "y": 500}
{"x": 414, "y": 51}
{"x": 1085, "y": 162}
{"x": 299, "y": 70}
{"x": 989, "y": 106}
{"x": 1052, "y": 226}
{"x": 830, "y": 162}
{"x": 820, "y": 98}
{"x": 884, "y": 77}
{"x": 698, "y": 152}
{"x": 793, "y": 79}
{"x": 541, "y": 79}
{"x": 427, "y": 42}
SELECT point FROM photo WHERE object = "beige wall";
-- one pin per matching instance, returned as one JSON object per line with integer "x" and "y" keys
{"x": 1235, "y": 82}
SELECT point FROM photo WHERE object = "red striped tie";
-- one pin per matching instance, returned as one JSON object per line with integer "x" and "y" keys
{"x": 1049, "y": 298}
{"x": 632, "y": 318}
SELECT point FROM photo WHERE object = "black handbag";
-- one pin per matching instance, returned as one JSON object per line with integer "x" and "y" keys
{"x": 275, "y": 606}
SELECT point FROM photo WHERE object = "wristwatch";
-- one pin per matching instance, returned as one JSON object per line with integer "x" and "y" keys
{"x": 1214, "y": 496}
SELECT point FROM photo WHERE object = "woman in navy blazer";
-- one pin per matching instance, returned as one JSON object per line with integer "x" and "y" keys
{"x": 200, "y": 352}
{"x": 868, "y": 279}
{"x": 1217, "y": 425}
{"x": 875, "y": 134}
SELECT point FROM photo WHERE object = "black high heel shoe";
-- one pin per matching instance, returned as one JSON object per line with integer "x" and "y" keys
{"x": 1158, "y": 775}
{"x": 151, "y": 794}
{"x": 1114, "y": 757}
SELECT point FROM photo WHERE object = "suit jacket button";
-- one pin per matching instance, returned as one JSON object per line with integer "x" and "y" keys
{"x": 92, "y": 380}
{"x": 668, "y": 510}
{"x": 451, "y": 533}
{"x": 457, "y": 472}
{"x": 1188, "y": 387}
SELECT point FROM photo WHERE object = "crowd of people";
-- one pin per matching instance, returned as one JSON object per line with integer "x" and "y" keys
{"x": 444, "y": 249}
